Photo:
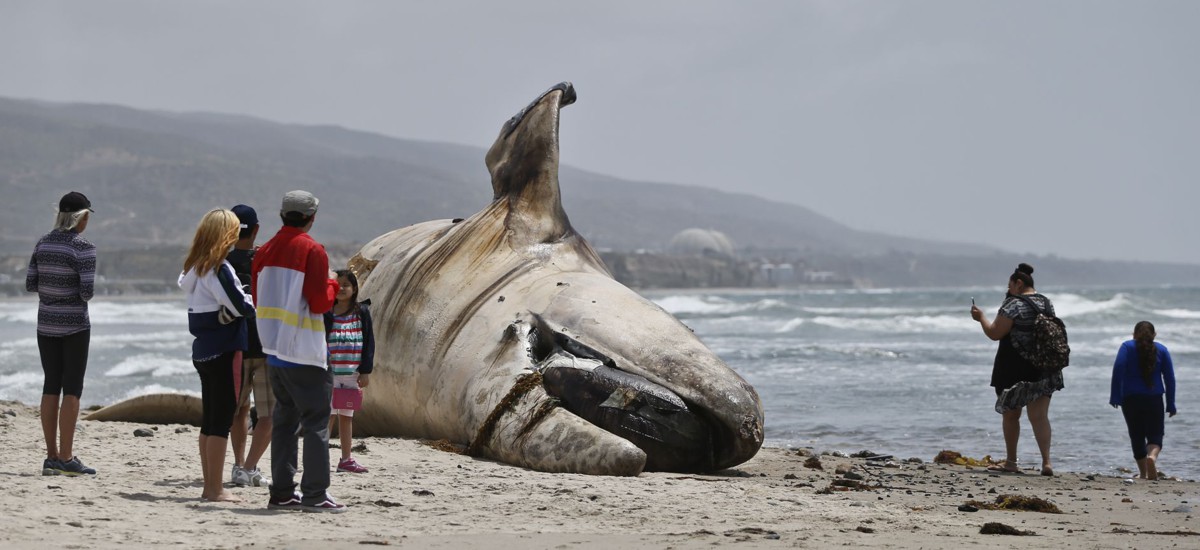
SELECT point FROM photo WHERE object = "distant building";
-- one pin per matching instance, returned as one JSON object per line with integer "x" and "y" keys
{"x": 777, "y": 274}
{"x": 814, "y": 276}
{"x": 701, "y": 242}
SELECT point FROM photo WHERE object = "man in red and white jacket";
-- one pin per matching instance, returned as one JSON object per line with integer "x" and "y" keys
{"x": 293, "y": 288}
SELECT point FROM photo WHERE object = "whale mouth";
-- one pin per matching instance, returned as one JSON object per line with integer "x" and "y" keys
{"x": 674, "y": 436}
{"x": 568, "y": 97}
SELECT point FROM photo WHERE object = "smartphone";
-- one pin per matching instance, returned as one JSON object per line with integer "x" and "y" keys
{"x": 972, "y": 301}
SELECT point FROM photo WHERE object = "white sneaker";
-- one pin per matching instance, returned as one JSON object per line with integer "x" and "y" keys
{"x": 239, "y": 476}
{"x": 257, "y": 478}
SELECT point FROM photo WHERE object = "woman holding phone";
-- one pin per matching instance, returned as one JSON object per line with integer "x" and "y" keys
{"x": 1018, "y": 383}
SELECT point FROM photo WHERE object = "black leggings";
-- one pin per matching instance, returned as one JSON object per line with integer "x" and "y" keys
{"x": 216, "y": 394}
{"x": 1144, "y": 418}
{"x": 64, "y": 360}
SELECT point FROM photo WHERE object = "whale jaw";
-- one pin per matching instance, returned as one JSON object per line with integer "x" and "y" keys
{"x": 676, "y": 435}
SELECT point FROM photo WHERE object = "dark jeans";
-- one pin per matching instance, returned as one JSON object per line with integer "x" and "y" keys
{"x": 64, "y": 361}
{"x": 302, "y": 401}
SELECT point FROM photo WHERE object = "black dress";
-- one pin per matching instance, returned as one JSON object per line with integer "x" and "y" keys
{"x": 1016, "y": 380}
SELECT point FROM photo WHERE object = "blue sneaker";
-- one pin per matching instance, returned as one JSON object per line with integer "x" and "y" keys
{"x": 74, "y": 467}
{"x": 51, "y": 467}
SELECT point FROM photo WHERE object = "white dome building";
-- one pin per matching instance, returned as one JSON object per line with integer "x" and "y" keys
{"x": 700, "y": 242}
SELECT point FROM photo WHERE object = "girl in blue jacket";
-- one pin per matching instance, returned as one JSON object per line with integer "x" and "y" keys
{"x": 1142, "y": 374}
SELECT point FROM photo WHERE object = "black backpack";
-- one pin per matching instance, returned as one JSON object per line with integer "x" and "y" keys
{"x": 1050, "y": 351}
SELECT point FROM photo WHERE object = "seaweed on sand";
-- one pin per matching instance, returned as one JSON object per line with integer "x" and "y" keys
{"x": 994, "y": 528}
{"x": 1018, "y": 503}
{"x": 954, "y": 457}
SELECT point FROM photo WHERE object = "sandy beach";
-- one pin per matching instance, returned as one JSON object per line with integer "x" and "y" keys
{"x": 146, "y": 494}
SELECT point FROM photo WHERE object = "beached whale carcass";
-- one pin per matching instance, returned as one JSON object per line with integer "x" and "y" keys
{"x": 505, "y": 332}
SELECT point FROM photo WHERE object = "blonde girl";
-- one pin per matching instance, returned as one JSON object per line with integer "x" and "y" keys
{"x": 217, "y": 314}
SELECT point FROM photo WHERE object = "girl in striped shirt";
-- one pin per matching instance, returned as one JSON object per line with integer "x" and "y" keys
{"x": 351, "y": 342}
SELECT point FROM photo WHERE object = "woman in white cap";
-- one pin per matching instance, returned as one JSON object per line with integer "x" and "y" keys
{"x": 62, "y": 272}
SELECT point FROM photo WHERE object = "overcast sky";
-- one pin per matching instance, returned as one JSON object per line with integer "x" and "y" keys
{"x": 1061, "y": 127}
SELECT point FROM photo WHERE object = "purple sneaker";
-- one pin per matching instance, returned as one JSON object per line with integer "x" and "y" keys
{"x": 351, "y": 465}
{"x": 284, "y": 503}
{"x": 328, "y": 505}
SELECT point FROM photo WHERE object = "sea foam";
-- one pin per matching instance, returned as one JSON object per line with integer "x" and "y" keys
{"x": 151, "y": 363}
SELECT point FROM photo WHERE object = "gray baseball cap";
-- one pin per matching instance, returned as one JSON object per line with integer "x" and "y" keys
{"x": 301, "y": 202}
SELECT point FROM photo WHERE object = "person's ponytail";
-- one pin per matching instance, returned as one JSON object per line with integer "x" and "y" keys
{"x": 1143, "y": 334}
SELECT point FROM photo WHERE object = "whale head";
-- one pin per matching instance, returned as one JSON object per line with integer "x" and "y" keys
{"x": 609, "y": 355}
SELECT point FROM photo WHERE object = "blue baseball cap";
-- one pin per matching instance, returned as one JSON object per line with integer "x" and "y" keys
{"x": 246, "y": 215}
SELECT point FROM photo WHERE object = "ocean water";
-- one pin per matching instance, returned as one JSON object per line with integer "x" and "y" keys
{"x": 901, "y": 372}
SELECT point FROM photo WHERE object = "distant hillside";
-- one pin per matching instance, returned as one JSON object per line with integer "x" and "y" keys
{"x": 151, "y": 175}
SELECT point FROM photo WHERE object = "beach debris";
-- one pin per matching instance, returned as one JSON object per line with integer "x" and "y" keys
{"x": 386, "y": 503}
{"x": 423, "y": 492}
{"x": 838, "y": 485}
{"x": 864, "y": 529}
{"x": 841, "y": 469}
{"x": 10, "y": 412}
{"x": 375, "y": 542}
{"x": 1123, "y": 531}
{"x": 1127, "y": 500}
{"x": 182, "y": 430}
{"x": 871, "y": 456}
{"x": 853, "y": 475}
{"x": 814, "y": 463}
{"x": 790, "y": 476}
{"x": 445, "y": 445}
{"x": 947, "y": 457}
{"x": 997, "y": 528}
{"x": 1018, "y": 503}
{"x": 914, "y": 460}
{"x": 744, "y": 533}
{"x": 360, "y": 447}
{"x": 1182, "y": 509}
{"x": 1127, "y": 481}
{"x": 732, "y": 472}
{"x": 968, "y": 508}
{"x": 804, "y": 452}
{"x": 954, "y": 457}
{"x": 143, "y": 432}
